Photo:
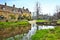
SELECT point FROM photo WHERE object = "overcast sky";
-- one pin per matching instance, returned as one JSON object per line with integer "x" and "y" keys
{"x": 47, "y": 6}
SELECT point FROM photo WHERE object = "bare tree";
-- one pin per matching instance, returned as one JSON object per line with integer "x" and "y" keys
{"x": 57, "y": 9}
{"x": 57, "y": 14}
{"x": 38, "y": 9}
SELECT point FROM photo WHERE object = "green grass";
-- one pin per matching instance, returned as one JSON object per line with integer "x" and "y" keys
{"x": 42, "y": 21}
{"x": 58, "y": 21}
{"x": 47, "y": 34}
{"x": 13, "y": 24}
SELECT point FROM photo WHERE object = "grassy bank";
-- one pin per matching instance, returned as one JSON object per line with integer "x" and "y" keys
{"x": 47, "y": 34}
{"x": 13, "y": 24}
{"x": 11, "y": 29}
{"x": 42, "y": 21}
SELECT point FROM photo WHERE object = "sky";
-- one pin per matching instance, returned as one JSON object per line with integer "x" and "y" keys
{"x": 47, "y": 6}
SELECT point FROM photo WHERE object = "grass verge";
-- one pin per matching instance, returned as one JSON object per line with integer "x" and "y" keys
{"x": 47, "y": 34}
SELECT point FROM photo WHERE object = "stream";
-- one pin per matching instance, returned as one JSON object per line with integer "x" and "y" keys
{"x": 27, "y": 36}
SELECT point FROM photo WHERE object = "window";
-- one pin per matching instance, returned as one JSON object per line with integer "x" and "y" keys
{"x": 3, "y": 8}
{"x": 1, "y": 17}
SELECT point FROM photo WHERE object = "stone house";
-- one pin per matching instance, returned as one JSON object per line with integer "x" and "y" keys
{"x": 7, "y": 11}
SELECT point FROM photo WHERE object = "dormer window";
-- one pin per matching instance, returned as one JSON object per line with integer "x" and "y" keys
{"x": 3, "y": 8}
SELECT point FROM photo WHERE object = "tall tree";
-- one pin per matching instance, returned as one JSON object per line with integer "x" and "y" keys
{"x": 57, "y": 14}
{"x": 38, "y": 9}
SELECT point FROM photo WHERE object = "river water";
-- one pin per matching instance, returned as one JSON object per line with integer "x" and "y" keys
{"x": 27, "y": 36}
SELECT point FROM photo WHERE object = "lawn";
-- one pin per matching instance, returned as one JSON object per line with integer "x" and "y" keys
{"x": 47, "y": 34}
{"x": 58, "y": 21}
{"x": 42, "y": 21}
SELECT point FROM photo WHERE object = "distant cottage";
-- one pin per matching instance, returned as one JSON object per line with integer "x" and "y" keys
{"x": 9, "y": 13}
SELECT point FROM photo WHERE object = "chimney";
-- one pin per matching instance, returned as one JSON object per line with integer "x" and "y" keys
{"x": 5, "y": 4}
{"x": 13, "y": 6}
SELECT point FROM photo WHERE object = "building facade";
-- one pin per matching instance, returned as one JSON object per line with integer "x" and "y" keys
{"x": 9, "y": 13}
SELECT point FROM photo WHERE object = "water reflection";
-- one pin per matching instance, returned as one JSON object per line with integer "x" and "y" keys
{"x": 27, "y": 36}
{"x": 34, "y": 28}
{"x": 45, "y": 27}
